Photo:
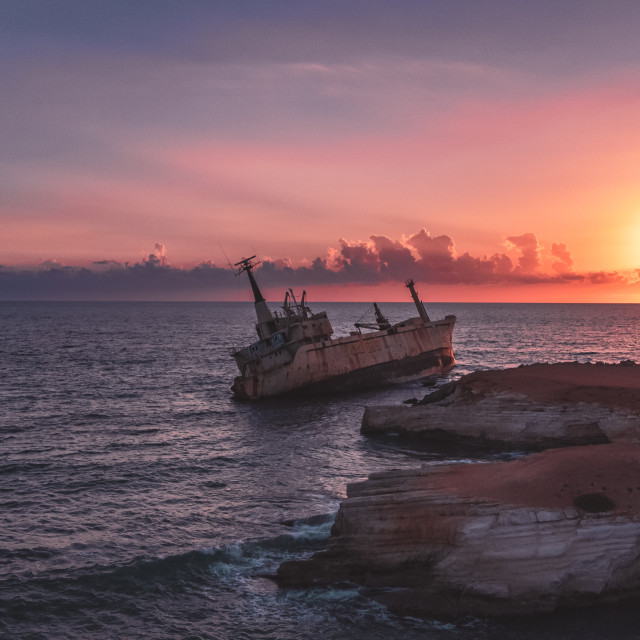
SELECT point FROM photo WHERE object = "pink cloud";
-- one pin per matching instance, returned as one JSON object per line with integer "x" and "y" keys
{"x": 529, "y": 248}
{"x": 564, "y": 262}
{"x": 376, "y": 261}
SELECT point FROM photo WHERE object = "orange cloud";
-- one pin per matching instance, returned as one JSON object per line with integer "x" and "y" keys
{"x": 564, "y": 262}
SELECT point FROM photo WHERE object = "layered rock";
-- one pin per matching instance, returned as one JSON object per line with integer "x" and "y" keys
{"x": 533, "y": 407}
{"x": 558, "y": 528}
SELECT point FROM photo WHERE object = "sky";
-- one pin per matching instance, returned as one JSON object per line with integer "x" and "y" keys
{"x": 490, "y": 150}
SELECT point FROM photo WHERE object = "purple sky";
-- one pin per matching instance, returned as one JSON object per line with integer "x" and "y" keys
{"x": 304, "y": 130}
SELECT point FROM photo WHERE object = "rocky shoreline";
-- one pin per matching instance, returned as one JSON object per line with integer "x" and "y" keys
{"x": 554, "y": 529}
{"x": 529, "y": 408}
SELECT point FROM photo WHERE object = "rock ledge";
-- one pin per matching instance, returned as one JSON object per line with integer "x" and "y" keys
{"x": 559, "y": 528}
{"x": 532, "y": 407}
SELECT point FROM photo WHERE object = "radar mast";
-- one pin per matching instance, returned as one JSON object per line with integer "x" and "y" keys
{"x": 266, "y": 325}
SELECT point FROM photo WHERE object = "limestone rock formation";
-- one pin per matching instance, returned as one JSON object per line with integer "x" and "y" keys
{"x": 558, "y": 528}
{"x": 533, "y": 407}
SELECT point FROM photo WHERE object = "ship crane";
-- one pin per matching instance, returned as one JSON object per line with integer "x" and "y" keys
{"x": 381, "y": 323}
{"x": 419, "y": 304}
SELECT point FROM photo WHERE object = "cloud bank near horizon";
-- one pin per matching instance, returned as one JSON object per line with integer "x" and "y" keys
{"x": 378, "y": 260}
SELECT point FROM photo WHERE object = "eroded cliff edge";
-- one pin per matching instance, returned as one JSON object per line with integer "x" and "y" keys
{"x": 531, "y": 407}
{"x": 557, "y": 528}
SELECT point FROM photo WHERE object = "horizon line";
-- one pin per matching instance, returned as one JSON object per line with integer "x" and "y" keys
{"x": 318, "y": 302}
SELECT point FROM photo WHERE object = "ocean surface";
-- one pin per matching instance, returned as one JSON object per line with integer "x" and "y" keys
{"x": 138, "y": 499}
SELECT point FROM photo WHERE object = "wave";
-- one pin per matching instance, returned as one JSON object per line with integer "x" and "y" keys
{"x": 262, "y": 557}
{"x": 175, "y": 573}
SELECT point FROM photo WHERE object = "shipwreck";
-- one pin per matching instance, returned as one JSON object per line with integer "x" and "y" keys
{"x": 295, "y": 350}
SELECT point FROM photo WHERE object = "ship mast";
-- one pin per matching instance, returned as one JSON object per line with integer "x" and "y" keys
{"x": 419, "y": 305}
{"x": 266, "y": 325}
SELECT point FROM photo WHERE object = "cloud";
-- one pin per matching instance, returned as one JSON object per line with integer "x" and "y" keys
{"x": 159, "y": 256}
{"x": 429, "y": 247}
{"x": 151, "y": 279}
{"x": 564, "y": 262}
{"x": 50, "y": 265}
{"x": 607, "y": 277}
{"x": 527, "y": 244}
{"x": 379, "y": 259}
{"x": 106, "y": 265}
{"x": 427, "y": 258}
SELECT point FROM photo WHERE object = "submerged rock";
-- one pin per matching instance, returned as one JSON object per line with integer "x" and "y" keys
{"x": 532, "y": 407}
{"x": 559, "y": 528}
{"x": 439, "y": 394}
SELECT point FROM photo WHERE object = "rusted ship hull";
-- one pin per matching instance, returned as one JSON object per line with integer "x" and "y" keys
{"x": 407, "y": 350}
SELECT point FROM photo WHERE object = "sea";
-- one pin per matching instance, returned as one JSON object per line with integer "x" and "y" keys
{"x": 139, "y": 499}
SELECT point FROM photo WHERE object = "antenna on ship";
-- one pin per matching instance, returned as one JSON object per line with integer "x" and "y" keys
{"x": 419, "y": 305}
{"x": 248, "y": 264}
{"x": 266, "y": 325}
{"x": 226, "y": 257}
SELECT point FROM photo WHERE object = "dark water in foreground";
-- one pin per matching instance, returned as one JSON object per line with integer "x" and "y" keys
{"x": 139, "y": 500}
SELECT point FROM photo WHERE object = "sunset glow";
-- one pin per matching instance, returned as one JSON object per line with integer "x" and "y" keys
{"x": 214, "y": 130}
